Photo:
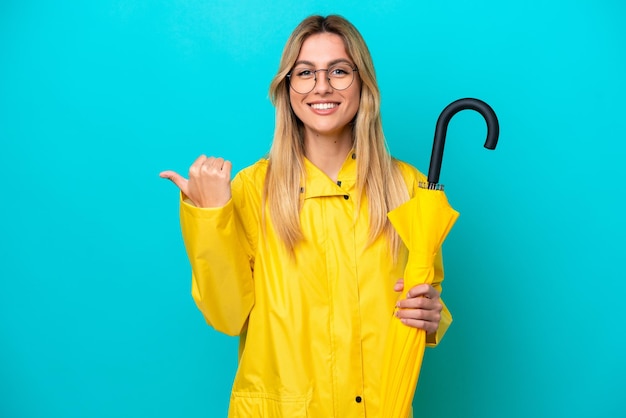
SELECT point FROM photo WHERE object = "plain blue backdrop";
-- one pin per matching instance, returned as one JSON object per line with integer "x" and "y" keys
{"x": 96, "y": 98}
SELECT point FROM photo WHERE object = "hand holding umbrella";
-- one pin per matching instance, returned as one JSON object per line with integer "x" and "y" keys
{"x": 423, "y": 224}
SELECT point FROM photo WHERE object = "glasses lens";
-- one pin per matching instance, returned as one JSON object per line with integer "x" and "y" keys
{"x": 340, "y": 76}
{"x": 302, "y": 79}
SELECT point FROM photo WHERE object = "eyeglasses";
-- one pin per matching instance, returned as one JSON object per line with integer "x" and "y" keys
{"x": 302, "y": 78}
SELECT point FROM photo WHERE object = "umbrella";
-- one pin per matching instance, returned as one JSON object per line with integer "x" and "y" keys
{"x": 423, "y": 224}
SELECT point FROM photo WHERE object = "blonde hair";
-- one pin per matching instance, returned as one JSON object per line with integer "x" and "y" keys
{"x": 378, "y": 175}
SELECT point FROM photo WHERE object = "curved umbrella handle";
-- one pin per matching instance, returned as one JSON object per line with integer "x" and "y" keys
{"x": 493, "y": 131}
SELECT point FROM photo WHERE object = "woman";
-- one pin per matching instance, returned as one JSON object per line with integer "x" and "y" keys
{"x": 296, "y": 255}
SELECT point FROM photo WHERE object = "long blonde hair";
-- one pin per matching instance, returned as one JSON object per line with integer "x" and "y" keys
{"x": 378, "y": 175}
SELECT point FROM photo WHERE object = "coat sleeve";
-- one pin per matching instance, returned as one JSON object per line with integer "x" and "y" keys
{"x": 221, "y": 263}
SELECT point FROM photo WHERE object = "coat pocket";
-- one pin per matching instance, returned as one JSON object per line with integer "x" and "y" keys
{"x": 267, "y": 405}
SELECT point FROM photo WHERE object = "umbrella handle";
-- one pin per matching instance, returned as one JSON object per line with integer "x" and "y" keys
{"x": 493, "y": 131}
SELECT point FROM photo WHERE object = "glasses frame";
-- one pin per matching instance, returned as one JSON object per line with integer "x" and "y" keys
{"x": 352, "y": 67}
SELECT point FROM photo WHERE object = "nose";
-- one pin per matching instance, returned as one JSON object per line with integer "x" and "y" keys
{"x": 322, "y": 82}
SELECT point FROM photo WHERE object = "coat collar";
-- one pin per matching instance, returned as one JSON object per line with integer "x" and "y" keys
{"x": 318, "y": 184}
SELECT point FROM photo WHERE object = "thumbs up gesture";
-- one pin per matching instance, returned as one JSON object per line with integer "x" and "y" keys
{"x": 208, "y": 185}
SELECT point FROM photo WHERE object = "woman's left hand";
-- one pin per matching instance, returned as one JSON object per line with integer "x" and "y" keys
{"x": 421, "y": 308}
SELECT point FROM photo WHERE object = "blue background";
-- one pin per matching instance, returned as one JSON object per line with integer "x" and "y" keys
{"x": 96, "y": 317}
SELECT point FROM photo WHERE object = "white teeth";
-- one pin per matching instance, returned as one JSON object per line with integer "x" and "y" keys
{"x": 323, "y": 106}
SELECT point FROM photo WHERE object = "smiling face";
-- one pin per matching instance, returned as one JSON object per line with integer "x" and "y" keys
{"x": 325, "y": 111}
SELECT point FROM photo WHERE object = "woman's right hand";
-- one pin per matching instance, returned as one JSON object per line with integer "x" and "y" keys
{"x": 209, "y": 182}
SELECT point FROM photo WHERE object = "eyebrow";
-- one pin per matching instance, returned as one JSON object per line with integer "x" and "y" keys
{"x": 330, "y": 64}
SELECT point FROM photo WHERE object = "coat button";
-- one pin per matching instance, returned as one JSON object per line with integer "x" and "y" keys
{"x": 358, "y": 399}
{"x": 345, "y": 196}
{"x": 353, "y": 156}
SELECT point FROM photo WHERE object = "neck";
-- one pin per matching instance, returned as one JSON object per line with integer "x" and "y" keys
{"x": 328, "y": 152}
